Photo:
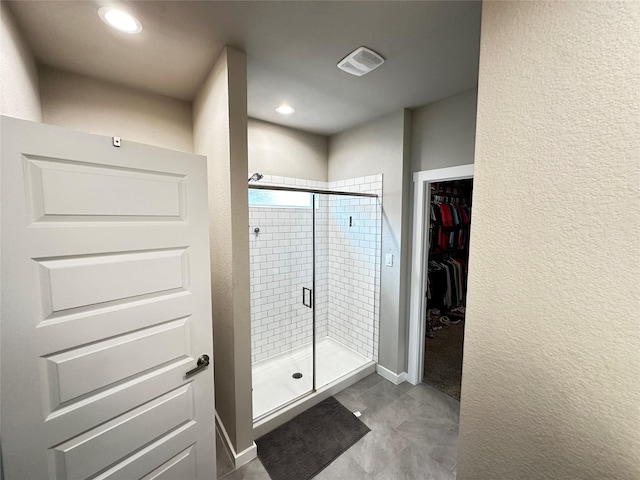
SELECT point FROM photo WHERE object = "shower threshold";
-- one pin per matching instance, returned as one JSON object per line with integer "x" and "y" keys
{"x": 278, "y": 396}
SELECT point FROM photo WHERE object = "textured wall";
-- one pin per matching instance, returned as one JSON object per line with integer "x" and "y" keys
{"x": 444, "y": 133}
{"x": 19, "y": 89}
{"x": 552, "y": 344}
{"x": 94, "y": 106}
{"x": 381, "y": 146}
{"x": 220, "y": 132}
{"x": 286, "y": 152}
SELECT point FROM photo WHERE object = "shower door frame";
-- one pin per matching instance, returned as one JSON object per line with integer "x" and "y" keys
{"x": 313, "y": 192}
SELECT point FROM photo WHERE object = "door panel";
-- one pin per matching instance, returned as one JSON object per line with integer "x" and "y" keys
{"x": 71, "y": 373}
{"x": 138, "y": 464}
{"x": 100, "y": 191}
{"x": 72, "y": 282}
{"x": 105, "y": 306}
{"x": 181, "y": 466}
{"x": 92, "y": 451}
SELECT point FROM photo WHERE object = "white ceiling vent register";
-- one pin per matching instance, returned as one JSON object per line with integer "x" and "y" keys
{"x": 360, "y": 61}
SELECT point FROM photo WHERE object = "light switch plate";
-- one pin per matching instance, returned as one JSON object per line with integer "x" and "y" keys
{"x": 388, "y": 259}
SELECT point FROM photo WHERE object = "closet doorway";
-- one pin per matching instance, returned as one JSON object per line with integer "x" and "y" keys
{"x": 447, "y": 267}
{"x": 441, "y": 227}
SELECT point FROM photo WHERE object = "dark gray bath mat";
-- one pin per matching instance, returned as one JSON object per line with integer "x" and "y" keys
{"x": 306, "y": 444}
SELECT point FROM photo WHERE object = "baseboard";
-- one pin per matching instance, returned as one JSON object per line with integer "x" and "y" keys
{"x": 239, "y": 459}
{"x": 387, "y": 374}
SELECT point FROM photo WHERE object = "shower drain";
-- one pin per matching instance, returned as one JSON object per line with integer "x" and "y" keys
{"x": 297, "y": 375}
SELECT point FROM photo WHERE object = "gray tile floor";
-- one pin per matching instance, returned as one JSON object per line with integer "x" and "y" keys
{"x": 414, "y": 435}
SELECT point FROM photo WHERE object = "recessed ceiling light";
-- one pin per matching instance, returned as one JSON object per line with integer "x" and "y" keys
{"x": 120, "y": 20}
{"x": 285, "y": 109}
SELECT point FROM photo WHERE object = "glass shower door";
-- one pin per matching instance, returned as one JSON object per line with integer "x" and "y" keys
{"x": 281, "y": 269}
{"x": 348, "y": 278}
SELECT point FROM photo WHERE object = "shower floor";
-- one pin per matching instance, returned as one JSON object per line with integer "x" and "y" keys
{"x": 273, "y": 382}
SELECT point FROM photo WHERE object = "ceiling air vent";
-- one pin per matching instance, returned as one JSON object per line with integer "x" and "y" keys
{"x": 360, "y": 61}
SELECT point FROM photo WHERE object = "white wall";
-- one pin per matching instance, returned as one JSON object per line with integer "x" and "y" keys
{"x": 220, "y": 132}
{"x": 19, "y": 91}
{"x": 94, "y": 106}
{"x": 444, "y": 133}
{"x": 286, "y": 152}
{"x": 552, "y": 343}
{"x": 382, "y": 146}
{"x": 353, "y": 254}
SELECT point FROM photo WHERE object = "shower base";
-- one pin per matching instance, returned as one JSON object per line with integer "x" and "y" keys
{"x": 274, "y": 385}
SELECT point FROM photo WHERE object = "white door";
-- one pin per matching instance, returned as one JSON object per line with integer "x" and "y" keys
{"x": 105, "y": 307}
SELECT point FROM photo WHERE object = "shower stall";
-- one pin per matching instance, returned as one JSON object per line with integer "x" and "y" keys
{"x": 315, "y": 288}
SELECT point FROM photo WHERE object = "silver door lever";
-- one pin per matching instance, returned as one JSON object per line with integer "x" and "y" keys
{"x": 201, "y": 364}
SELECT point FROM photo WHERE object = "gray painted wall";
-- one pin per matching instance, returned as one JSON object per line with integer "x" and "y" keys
{"x": 220, "y": 133}
{"x": 286, "y": 152}
{"x": 94, "y": 106}
{"x": 382, "y": 146}
{"x": 444, "y": 133}
{"x": 19, "y": 88}
{"x": 19, "y": 91}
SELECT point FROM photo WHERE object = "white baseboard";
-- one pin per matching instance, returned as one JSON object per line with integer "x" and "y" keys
{"x": 239, "y": 459}
{"x": 395, "y": 378}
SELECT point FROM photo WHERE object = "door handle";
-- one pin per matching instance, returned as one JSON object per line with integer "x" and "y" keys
{"x": 307, "y": 299}
{"x": 201, "y": 364}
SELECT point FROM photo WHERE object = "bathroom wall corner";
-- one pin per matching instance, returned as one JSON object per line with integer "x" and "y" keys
{"x": 220, "y": 133}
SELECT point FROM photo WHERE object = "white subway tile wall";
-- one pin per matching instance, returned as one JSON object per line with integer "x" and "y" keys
{"x": 348, "y": 236}
{"x": 354, "y": 265}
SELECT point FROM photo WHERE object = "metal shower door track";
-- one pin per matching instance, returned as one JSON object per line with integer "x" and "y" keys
{"x": 311, "y": 190}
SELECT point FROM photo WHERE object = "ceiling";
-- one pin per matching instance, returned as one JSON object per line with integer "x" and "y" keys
{"x": 431, "y": 51}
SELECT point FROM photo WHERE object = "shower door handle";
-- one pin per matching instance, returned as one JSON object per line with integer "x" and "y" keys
{"x": 306, "y": 297}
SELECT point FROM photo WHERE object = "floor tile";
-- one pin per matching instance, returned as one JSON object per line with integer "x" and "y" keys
{"x": 436, "y": 440}
{"x": 378, "y": 447}
{"x": 400, "y": 410}
{"x": 437, "y": 404}
{"x": 344, "y": 467}
{"x": 251, "y": 471}
{"x": 223, "y": 461}
{"x": 380, "y": 395}
{"x": 413, "y": 464}
{"x": 363, "y": 385}
{"x": 373, "y": 421}
{"x": 351, "y": 402}
{"x": 428, "y": 394}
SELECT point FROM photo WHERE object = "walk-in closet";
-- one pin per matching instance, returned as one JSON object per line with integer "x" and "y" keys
{"x": 449, "y": 228}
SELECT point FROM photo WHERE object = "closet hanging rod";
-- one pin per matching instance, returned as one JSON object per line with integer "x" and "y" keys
{"x": 442, "y": 194}
{"x": 311, "y": 190}
{"x": 448, "y": 252}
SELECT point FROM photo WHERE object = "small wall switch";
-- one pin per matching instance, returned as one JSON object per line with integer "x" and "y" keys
{"x": 388, "y": 259}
